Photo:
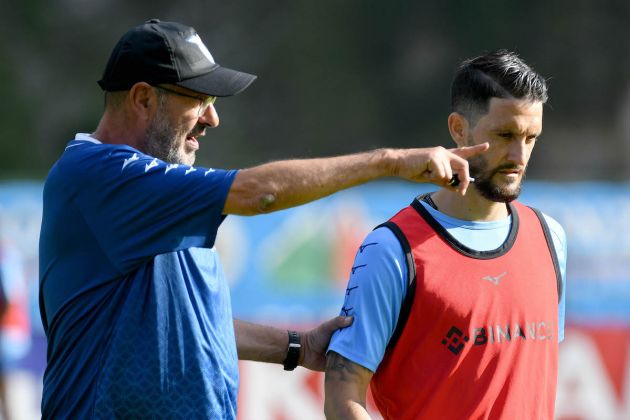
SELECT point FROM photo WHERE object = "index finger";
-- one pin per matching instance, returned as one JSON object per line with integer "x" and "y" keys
{"x": 468, "y": 151}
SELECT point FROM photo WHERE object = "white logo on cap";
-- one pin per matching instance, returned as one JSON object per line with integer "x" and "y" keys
{"x": 194, "y": 39}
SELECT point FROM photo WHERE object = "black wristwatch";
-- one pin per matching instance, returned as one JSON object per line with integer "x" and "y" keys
{"x": 293, "y": 352}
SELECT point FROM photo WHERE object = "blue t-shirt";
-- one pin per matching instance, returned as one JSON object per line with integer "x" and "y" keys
{"x": 380, "y": 268}
{"x": 133, "y": 298}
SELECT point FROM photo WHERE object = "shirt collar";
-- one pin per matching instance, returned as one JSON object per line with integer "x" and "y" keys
{"x": 86, "y": 137}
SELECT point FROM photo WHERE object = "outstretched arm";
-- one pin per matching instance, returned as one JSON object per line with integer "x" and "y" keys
{"x": 261, "y": 343}
{"x": 283, "y": 184}
{"x": 346, "y": 388}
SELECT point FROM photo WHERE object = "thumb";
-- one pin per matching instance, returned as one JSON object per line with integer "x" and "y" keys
{"x": 468, "y": 151}
{"x": 337, "y": 323}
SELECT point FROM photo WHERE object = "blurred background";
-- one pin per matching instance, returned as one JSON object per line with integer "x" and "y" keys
{"x": 336, "y": 77}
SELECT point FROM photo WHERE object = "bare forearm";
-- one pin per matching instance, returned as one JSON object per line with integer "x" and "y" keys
{"x": 279, "y": 185}
{"x": 346, "y": 389}
{"x": 338, "y": 409}
{"x": 267, "y": 344}
{"x": 260, "y": 343}
{"x": 283, "y": 184}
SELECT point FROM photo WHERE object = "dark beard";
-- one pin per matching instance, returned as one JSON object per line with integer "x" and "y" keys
{"x": 483, "y": 181}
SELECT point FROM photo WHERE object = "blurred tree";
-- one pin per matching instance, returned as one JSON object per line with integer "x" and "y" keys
{"x": 334, "y": 77}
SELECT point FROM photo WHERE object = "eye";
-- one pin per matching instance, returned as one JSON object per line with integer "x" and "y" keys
{"x": 505, "y": 135}
{"x": 531, "y": 139}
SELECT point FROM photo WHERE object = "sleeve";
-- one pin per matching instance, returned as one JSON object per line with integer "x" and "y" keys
{"x": 560, "y": 244}
{"x": 138, "y": 206}
{"x": 376, "y": 288}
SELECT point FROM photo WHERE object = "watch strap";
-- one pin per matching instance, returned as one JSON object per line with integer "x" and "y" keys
{"x": 293, "y": 351}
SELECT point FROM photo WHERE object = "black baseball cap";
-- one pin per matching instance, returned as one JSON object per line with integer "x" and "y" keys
{"x": 169, "y": 52}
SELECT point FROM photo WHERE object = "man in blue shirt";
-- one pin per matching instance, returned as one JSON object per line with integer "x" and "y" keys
{"x": 133, "y": 298}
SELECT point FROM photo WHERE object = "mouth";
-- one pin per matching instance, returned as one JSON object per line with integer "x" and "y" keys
{"x": 191, "y": 139}
{"x": 192, "y": 143}
{"x": 511, "y": 172}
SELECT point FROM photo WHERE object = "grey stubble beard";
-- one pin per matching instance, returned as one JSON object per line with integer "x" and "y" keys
{"x": 162, "y": 138}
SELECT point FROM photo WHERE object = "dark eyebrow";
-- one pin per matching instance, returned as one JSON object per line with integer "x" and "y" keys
{"x": 511, "y": 129}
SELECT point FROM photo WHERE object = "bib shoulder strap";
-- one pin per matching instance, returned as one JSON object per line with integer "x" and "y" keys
{"x": 552, "y": 249}
{"x": 407, "y": 302}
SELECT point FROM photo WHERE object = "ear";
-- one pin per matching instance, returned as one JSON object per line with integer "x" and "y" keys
{"x": 458, "y": 128}
{"x": 142, "y": 100}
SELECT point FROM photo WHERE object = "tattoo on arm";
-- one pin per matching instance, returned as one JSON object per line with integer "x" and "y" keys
{"x": 346, "y": 384}
{"x": 341, "y": 368}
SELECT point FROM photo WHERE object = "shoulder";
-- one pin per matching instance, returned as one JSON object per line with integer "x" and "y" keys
{"x": 77, "y": 148}
{"x": 383, "y": 234}
{"x": 381, "y": 257}
{"x": 375, "y": 291}
{"x": 382, "y": 241}
{"x": 559, "y": 238}
{"x": 88, "y": 157}
{"x": 556, "y": 229}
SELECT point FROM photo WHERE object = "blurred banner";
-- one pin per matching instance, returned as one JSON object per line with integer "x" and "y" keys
{"x": 290, "y": 269}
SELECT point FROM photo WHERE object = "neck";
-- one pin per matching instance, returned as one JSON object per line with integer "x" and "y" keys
{"x": 472, "y": 206}
{"x": 113, "y": 129}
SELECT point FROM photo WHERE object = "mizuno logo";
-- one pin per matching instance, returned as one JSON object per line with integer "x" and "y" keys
{"x": 209, "y": 171}
{"x": 128, "y": 161}
{"x": 189, "y": 170}
{"x": 495, "y": 279}
{"x": 169, "y": 167}
{"x": 153, "y": 164}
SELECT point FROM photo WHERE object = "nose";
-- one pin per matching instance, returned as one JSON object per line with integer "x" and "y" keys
{"x": 519, "y": 152}
{"x": 210, "y": 117}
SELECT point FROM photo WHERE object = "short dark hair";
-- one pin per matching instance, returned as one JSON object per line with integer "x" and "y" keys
{"x": 497, "y": 74}
{"x": 115, "y": 99}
